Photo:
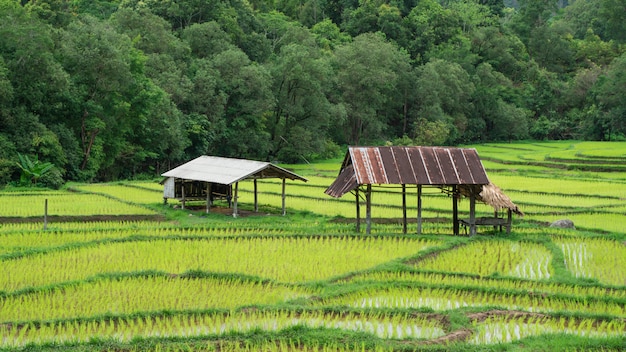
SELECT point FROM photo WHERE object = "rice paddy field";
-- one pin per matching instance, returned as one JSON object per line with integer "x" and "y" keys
{"x": 113, "y": 268}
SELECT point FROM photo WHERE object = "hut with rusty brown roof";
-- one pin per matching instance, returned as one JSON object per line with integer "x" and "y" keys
{"x": 456, "y": 171}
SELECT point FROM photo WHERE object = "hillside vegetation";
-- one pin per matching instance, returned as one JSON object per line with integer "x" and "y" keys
{"x": 115, "y": 89}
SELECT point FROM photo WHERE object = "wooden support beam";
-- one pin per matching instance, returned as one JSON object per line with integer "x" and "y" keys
{"x": 404, "y": 208}
{"x": 283, "y": 197}
{"x": 358, "y": 210}
{"x": 472, "y": 218}
{"x": 455, "y": 212}
{"x": 182, "y": 183}
{"x": 509, "y": 220}
{"x": 208, "y": 197}
{"x": 256, "y": 201}
{"x": 419, "y": 209}
{"x": 368, "y": 210}
{"x": 235, "y": 200}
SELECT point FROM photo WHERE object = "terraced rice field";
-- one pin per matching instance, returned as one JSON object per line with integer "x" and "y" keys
{"x": 117, "y": 270}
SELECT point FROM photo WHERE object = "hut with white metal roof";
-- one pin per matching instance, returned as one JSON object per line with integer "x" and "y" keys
{"x": 207, "y": 177}
{"x": 456, "y": 171}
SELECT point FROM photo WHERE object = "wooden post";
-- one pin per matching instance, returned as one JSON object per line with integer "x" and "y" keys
{"x": 208, "y": 197}
{"x": 283, "y": 196}
{"x": 455, "y": 211}
{"x": 256, "y": 202}
{"x": 419, "y": 209}
{"x": 472, "y": 213}
{"x": 45, "y": 214}
{"x": 358, "y": 211}
{"x": 495, "y": 216}
{"x": 235, "y": 199}
{"x": 404, "y": 208}
{"x": 182, "y": 189}
{"x": 509, "y": 220}
{"x": 368, "y": 210}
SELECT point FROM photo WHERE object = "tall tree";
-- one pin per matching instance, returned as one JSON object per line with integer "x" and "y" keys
{"x": 444, "y": 90}
{"x": 101, "y": 64}
{"x": 367, "y": 76}
{"x": 301, "y": 112}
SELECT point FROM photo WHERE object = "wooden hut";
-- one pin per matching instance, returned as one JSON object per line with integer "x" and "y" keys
{"x": 456, "y": 171}
{"x": 210, "y": 177}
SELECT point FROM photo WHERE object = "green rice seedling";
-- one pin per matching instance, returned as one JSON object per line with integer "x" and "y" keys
{"x": 559, "y": 186}
{"x": 503, "y": 329}
{"x": 518, "y": 259}
{"x": 280, "y": 258}
{"x": 65, "y": 203}
{"x": 448, "y": 299}
{"x": 469, "y": 281}
{"x": 124, "y": 193}
{"x": 129, "y": 295}
{"x": 595, "y": 258}
{"x": 205, "y": 324}
{"x": 560, "y": 200}
{"x": 605, "y": 221}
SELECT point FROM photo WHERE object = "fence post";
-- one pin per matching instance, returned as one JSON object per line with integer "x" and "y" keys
{"x": 45, "y": 215}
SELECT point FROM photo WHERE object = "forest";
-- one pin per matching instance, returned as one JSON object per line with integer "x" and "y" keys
{"x": 107, "y": 90}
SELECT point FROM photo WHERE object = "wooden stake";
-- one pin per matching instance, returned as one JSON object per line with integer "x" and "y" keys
{"x": 45, "y": 215}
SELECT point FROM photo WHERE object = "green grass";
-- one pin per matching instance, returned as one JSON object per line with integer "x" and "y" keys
{"x": 108, "y": 275}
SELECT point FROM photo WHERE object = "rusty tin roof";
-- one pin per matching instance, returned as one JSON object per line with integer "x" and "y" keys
{"x": 437, "y": 166}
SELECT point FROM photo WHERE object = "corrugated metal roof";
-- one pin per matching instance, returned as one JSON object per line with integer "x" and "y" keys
{"x": 436, "y": 166}
{"x": 227, "y": 171}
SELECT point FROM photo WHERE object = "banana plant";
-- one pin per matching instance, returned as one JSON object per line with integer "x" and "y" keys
{"x": 32, "y": 170}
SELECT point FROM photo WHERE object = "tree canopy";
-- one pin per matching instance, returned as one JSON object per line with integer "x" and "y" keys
{"x": 113, "y": 89}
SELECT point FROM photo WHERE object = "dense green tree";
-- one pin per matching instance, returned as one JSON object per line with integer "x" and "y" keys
{"x": 244, "y": 87}
{"x": 98, "y": 60}
{"x": 610, "y": 88}
{"x": 301, "y": 112}
{"x": 495, "y": 114}
{"x": 367, "y": 75}
{"x": 613, "y": 15}
{"x": 328, "y": 35}
{"x": 430, "y": 24}
{"x": 444, "y": 92}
